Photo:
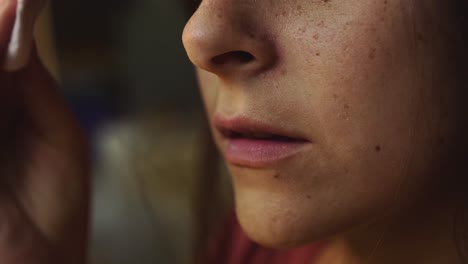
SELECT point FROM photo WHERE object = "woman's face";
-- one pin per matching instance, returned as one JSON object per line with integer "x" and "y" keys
{"x": 329, "y": 113}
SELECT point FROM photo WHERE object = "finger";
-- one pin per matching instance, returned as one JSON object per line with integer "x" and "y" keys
{"x": 59, "y": 165}
{"x": 8, "y": 95}
{"x": 47, "y": 109}
{"x": 19, "y": 47}
{"x": 7, "y": 16}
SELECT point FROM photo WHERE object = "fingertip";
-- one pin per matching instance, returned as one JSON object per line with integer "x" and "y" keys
{"x": 22, "y": 35}
{"x": 7, "y": 19}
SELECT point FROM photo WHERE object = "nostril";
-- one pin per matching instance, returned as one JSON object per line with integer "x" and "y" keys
{"x": 240, "y": 57}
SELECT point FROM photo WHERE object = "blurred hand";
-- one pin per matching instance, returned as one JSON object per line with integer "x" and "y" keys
{"x": 44, "y": 166}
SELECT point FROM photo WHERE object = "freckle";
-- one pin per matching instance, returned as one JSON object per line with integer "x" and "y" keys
{"x": 317, "y": 54}
{"x": 283, "y": 71}
{"x": 420, "y": 37}
{"x": 372, "y": 53}
{"x": 276, "y": 176}
{"x": 219, "y": 15}
{"x": 346, "y": 106}
{"x": 299, "y": 7}
{"x": 309, "y": 197}
{"x": 316, "y": 36}
{"x": 346, "y": 170}
{"x": 335, "y": 96}
{"x": 378, "y": 148}
{"x": 321, "y": 23}
{"x": 284, "y": 13}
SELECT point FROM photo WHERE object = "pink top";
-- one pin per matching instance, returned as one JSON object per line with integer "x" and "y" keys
{"x": 236, "y": 248}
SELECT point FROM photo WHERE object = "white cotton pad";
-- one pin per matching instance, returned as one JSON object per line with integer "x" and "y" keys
{"x": 19, "y": 48}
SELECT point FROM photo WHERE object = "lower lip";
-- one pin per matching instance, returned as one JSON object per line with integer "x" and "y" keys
{"x": 260, "y": 153}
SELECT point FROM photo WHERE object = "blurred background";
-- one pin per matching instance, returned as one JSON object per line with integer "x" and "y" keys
{"x": 125, "y": 74}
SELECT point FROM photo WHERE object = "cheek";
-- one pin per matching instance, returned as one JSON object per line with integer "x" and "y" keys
{"x": 361, "y": 79}
{"x": 381, "y": 105}
{"x": 375, "y": 115}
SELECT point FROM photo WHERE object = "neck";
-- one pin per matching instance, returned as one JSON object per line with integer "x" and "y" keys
{"x": 425, "y": 235}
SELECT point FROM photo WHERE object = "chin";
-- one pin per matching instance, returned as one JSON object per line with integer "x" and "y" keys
{"x": 274, "y": 221}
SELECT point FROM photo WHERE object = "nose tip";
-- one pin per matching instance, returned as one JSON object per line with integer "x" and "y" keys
{"x": 225, "y": 44}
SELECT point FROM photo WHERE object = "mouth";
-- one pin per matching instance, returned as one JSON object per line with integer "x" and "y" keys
{"x": 254, "y": 144}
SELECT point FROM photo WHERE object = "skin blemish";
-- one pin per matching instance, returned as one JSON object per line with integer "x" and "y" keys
{"x": 346, "y": 106}
{"x": 317, "y": 54}
{"x": 316, "y": 36}
{"x": 309, "y": 197}
{"x": 420, "y": 37}
{"x": 283, "y": 71}
{"x": 276, "y": 176}
{"x": 378, "y": 148}
{"x": 372, "y": 53}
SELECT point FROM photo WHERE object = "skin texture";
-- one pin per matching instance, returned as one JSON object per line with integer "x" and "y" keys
{"x": 375, "y": 86}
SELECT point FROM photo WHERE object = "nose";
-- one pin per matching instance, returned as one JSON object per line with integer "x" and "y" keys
{"x": 228, "y": 38}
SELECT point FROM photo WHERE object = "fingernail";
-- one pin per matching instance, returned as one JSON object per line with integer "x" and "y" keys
{"x": 19, "y": 48}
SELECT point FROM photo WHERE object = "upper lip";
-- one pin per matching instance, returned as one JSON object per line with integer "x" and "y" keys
{"x": 243, "y": 127}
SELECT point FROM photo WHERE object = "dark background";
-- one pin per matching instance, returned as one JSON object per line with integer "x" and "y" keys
{"x": 125, "y": 74}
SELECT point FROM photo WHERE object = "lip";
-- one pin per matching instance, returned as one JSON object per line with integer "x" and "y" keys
{"x": 242, "y": 147}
